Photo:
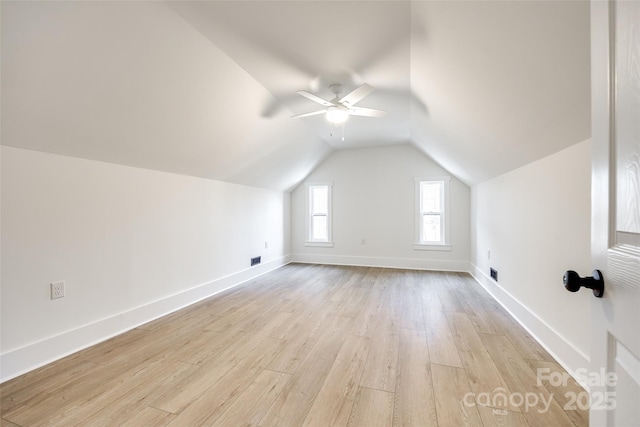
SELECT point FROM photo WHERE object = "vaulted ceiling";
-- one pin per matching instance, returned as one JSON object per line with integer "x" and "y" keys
{"x": 208, "y": 88}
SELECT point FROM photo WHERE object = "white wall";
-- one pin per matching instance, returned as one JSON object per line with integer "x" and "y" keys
{"x": 373, "y": 199}
{"x": 131, "y": 244}
{"x": 535, "y": 221}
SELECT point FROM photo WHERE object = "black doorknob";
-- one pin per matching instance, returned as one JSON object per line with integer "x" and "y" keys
{"x": 572, "y": 282}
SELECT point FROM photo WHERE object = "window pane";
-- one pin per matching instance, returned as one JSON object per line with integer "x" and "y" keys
{"x": 319, "y": 199}
{"x": 430, "y": 196}
{"x": 431, "y": 228}
{"x": 319, "y": 228}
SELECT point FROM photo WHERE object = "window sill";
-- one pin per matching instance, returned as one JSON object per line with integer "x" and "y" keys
{"x": 425, "y": 247}
{"x": 319, "y": 244}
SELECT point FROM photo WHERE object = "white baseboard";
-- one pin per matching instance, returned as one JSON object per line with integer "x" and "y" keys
{"x": 570, "y": 357}
{"x": 384, "y": 262}
{"x": 22, "y": 360}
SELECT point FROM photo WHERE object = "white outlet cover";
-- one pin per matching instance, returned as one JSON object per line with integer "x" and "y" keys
{"x": 57, "y": 290}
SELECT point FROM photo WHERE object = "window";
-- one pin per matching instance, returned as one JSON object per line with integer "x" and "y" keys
{"x": 319, "y": 215}
{"x": 432, "y": 210}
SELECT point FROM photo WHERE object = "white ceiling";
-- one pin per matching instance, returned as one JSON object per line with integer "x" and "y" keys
{"x": 208, "y": 88}
{"x": 303, "y": 45}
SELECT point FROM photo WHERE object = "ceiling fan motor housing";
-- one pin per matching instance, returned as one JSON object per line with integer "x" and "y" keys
{"x": 336, "y": 88}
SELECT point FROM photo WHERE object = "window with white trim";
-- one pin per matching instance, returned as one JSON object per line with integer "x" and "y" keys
{"x": 319, "y": 214}
{"x": 432, "y": 213}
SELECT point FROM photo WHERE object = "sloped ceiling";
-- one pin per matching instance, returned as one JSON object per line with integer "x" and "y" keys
{"x": 506, "y": 83}
{"x": 132, "y": 83}
{"x": 208, "y": 88}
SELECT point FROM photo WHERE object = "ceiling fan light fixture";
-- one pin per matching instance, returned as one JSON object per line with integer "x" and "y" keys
{"x": 337, "y": 115}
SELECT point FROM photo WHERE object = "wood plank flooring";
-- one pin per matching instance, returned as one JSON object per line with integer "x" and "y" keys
{"x": 309, "y": 345}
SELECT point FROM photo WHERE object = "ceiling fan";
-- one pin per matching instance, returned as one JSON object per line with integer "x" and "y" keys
{"x": 340, "y": 108}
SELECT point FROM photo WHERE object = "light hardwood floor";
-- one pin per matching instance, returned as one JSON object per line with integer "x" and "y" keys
{"x": 309, "y": 345}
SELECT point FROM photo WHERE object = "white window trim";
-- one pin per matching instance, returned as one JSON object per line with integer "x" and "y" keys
{"x": 432, "y": 246}
{"x": 319, "y": 244}
{"x": 315, "y": 243}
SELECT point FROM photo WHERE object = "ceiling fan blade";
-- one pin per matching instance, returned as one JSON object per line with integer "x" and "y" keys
{"x": 367, "y": 112}
{"x": 313, "y": 113}
{"x": 315, "y": 98}
{"x": 356, "y": 95}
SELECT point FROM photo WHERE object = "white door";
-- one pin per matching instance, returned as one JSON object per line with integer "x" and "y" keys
{"x": 615, "y": 346}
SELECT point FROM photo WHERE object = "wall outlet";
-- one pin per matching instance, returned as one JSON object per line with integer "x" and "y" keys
{"x": 494, "y": 274}
{"x": 57, "y": 290}
{"x": 255, "y": 260}
{"x": 266, "y": 245}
